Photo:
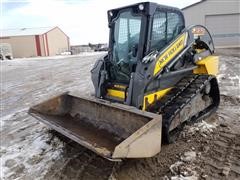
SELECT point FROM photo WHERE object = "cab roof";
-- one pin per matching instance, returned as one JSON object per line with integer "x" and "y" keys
{"x": 149, "y": 9}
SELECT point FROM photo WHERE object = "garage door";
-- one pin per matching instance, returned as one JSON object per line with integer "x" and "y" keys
{"x": 224, "y": 28}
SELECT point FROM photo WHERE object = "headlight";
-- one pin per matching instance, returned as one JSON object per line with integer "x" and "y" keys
{"x": 110, "y": 13}
{"x": 141, "y": 7}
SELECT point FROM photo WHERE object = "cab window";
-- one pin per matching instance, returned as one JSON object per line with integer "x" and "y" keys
{"x": 166, "y": 26}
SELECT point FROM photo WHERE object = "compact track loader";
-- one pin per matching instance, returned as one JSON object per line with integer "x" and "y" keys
{"x": 157, "y": 75}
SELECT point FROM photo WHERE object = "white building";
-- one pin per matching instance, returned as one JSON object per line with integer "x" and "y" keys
{"x": 221, "y": 17}
{"x": 31, "y": 42}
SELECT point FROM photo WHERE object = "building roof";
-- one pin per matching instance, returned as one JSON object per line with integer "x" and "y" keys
{"x": 25, "y": 31}
{"x": 193, "y": 4}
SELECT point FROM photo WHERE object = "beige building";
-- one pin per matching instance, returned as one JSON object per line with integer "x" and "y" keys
{"x": 221, "y": 17}
{"x": 32, "y": 42}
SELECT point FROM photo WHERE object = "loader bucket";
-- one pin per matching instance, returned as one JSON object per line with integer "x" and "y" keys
{"x": 111, "y": 130}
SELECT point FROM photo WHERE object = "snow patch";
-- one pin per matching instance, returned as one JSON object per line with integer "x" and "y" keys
{"x": 57, "y": 56}
{"x": 183, "y": 170}
{"x": 180, "y": 177}
{"x": 10, "y": 117}
{"x": 223, "y": 67}
{"x": 202, "y": 127}
{"x": 189, "y": 156}
{"x": 35, "y": 154}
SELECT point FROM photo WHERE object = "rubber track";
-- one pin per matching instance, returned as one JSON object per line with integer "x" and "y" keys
{"x": 183, "y": 93}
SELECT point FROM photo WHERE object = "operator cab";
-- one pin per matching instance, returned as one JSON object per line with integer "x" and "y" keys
{"x": 137, "y": 30}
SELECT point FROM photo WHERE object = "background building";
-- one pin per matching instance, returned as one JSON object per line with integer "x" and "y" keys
{"x": 31, "y": 42}
{"x": 222, "y": 18}
{"x": 77, "y": 49}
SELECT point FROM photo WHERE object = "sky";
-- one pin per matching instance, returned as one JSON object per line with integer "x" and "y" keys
{"x": 84, "y": 21}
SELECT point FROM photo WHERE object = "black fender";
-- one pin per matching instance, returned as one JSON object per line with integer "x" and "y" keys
{"x": 96, "y": 74}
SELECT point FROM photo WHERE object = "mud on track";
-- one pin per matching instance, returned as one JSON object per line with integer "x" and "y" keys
{"x": 29, "y": 150}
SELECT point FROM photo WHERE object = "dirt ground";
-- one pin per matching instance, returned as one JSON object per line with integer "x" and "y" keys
{"x": 29, "y": 150}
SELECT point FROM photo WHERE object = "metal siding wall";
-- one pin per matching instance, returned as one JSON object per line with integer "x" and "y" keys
{"x": 42, "y": 45}
{"x": 196, "y": 15}
{"x": 57, "y": 42}
{"x": 38, "y": 46}
{"x": 225, "y": 29}
{"x": 22, "y": 46}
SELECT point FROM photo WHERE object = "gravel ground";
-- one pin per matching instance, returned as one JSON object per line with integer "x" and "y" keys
{"x": 29, "y": 150}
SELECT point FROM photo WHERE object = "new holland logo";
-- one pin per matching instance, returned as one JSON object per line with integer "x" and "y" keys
{"x": 170, "y": 53}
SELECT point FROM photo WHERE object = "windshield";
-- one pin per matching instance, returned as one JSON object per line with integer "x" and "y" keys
{"x": 126, "y": 37}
